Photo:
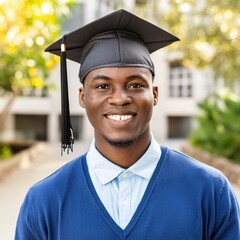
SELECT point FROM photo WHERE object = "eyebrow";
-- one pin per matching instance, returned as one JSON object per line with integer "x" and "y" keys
{"x": 104, "y": 77}
{"x": 99, "y": 76}
{"x": 132, "y": 77}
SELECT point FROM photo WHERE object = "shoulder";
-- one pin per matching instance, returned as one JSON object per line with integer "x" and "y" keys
{"x": 58, "y": 180}
{"x": 203, "y": 188}
{"x": 192, "y": 169}
{"x": 44, "y": 199}
{"x": 201, "y": 181}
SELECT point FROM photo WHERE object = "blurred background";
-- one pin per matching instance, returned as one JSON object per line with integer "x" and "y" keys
{"x": 201, "y": 72}
{"x": 198, "y": 77}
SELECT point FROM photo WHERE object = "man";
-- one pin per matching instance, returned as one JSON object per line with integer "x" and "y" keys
{"x": 126, "y": 186}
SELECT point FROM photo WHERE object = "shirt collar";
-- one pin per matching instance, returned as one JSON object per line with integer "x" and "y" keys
{"x": 106, "y": 171}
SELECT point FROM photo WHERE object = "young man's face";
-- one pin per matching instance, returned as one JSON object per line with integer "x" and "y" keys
{"x": 119, "y": 104}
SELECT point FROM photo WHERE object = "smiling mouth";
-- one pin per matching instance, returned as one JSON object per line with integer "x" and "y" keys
{"x": 119, "y": 117}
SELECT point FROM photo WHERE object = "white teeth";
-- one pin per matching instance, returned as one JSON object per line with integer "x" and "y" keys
{"x": 119, "y": 117}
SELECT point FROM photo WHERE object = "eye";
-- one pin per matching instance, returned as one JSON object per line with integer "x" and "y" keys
{"x": 102, "y": 86}
{"x": 135, "y": 85}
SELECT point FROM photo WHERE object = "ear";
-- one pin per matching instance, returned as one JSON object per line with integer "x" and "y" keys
{"x": 155, "y": 95}
{"x": 81, "y": 97}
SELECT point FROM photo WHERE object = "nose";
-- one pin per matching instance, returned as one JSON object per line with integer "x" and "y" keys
{"x": 119, "y": 97}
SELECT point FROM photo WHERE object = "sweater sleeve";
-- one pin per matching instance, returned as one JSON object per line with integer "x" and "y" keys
{"x": 25, "y": 228}
{"x": 227, "y": 225}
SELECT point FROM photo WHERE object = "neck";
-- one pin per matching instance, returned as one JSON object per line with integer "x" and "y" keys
{"x": 124, "y": 156}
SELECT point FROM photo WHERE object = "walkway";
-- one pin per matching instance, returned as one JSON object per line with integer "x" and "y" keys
{"x": 14, "y": 187}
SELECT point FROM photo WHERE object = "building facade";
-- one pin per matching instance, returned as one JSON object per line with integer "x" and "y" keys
{"x": 36, "y": 115}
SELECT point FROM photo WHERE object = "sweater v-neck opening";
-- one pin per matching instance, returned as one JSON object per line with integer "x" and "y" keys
{"x": 123, "y": 233}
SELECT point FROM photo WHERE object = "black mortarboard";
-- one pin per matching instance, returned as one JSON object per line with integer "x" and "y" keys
{"x": 117, "y": 39}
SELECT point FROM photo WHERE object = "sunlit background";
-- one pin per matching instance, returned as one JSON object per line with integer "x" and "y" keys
{"x": 198, "y": 77}
{"x": 205, "y": 63}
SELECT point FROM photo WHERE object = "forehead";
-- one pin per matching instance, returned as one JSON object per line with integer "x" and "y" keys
{"x": 119, "y": 72}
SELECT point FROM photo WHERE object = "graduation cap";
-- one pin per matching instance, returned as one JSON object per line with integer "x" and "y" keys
{"x": 119, "y": 39}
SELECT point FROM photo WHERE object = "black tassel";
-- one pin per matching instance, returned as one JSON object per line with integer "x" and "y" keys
{"x": 67, "y": 138}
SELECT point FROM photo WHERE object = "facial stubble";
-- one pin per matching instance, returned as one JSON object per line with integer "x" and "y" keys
{"x": 121, "y": 143}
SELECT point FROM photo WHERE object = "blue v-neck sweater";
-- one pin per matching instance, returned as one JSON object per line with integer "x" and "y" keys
{"x": 185, "y": 199}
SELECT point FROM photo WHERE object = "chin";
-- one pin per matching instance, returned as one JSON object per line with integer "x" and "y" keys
{"x": 121, "y": 143}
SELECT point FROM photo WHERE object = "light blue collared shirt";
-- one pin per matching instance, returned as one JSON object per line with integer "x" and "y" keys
{"x": 119, "y": 189}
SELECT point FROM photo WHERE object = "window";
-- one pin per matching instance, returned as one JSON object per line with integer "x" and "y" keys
{"x": 31, "y": 127}
{"x": 180, "y": 82}
{"x": 179, "y": 126}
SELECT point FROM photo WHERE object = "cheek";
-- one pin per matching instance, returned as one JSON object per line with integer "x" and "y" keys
{"x": 93, "y": 108}
{"x": 92, "y": 116}
{"x": 89, "y": 100}
{"x": 91, "y": 105}
{"x": 147, "y": 106}
{"x": 148, "y": 100}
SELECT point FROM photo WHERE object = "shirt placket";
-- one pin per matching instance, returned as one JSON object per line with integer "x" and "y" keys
{"x": 124, "y": 199}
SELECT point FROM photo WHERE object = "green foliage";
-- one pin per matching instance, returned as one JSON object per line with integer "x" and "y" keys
{"x": 209, "y": 33}
{"x": 219, "y": 126}
{"x": 5, "y": 152}
{"x": 26, "y": 28}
